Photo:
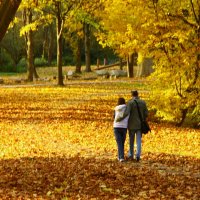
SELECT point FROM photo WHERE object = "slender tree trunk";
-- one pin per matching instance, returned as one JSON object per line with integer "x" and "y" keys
{"x": 87, "y": 47}
{"x": 98, "y": 63}
{"x": 8, "y": 8}
{"x": 0, "y": 56}
{"x": 146, "y": 67}
{"x": 30, "y": 54}
{"x": 130, "y": 63}
{"x": 184, "y": 114}
{"x": 50, "y": 46}
{"x": 78, "y": 56}
{"x": 59, "y": 47}
{"x": 121, "y": 64}
{"x": 45, "y": 42}
{"x": 35, "y": 74}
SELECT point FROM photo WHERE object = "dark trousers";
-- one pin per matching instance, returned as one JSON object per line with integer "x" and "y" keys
{"x": 120, "y": 137}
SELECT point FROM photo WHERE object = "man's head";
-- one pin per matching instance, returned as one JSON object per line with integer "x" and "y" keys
{"x": 134, "y": 93}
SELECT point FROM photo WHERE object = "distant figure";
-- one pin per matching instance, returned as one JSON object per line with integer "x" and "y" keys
{"x": 120, "y": 128}
{"x": 134, "y": 123}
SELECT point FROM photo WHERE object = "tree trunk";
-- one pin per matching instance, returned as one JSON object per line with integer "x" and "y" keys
{"x": 145, "y": 68}
{"x": 59, "y": 46}
{"x": 30, "y": 54}
{"x": 78, "y": 56}
{"x": 8, "y": 8}
{"x": 184, "y": 114}
{"x": 51, "y": 45}
{"x": 130, "y": 63}
{"x": 45, "y": 42}
{"x": 35, "y": 74}
{"x": 87, "y": 47}
{"x": 121, "y": 64}
{"x": 98, "y": 63}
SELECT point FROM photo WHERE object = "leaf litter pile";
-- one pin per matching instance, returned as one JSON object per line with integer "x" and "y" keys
{"x": 58, "y": 143}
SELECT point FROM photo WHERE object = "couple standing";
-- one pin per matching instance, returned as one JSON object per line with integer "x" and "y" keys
{"x": 127, "y": 117}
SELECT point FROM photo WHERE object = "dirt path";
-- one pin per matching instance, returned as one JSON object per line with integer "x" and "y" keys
{"x": 66, "y": 83}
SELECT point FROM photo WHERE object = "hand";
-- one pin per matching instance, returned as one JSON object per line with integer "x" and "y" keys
{"x": 118, "y": 119}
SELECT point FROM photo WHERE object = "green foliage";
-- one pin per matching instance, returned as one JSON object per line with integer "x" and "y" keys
{"x": 87, "y": 18}
{"x": 22, "y": 65}
{"x": 40, "y": 62}
{"x": 68, "y": 60}
{"x": 4, "y": 57}
{"x": 13, "y": 45}
{"x": 7, "y": 68}
{"x": 6, "y": 62}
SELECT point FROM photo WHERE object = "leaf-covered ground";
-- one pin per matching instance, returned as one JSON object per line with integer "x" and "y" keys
{"x": 58, "y": 143}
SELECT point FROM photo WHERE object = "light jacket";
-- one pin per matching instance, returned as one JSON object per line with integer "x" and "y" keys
{"x": 119, "y": 112}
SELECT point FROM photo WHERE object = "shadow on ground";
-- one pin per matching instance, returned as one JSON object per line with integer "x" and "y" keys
{"x": 162, "y": 177}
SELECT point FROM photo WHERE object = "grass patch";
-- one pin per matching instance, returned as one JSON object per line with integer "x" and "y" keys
{"x": 8, "y": 74}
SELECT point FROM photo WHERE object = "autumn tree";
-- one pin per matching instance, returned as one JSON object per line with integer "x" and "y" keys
{"x": 89, "y": 18}
{"x": 48, "y": 35}
{"x": 81, "y": 26}
{"x": 119, "y": 36}
{"x": 8, "y": 8}
{"x": 31, "y": 20}
{"x": 74, "y": 36}
{"x": 59, "y": 10}
{"x": 174, "y": 44}
{"x": 169, "y": 32}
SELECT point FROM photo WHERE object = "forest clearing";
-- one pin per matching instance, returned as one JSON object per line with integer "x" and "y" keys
{"x": 58, "y": 143}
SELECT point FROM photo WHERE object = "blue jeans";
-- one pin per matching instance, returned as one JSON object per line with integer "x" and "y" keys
{"x": 120, "y": 137}
{"x": 132, "y": 134}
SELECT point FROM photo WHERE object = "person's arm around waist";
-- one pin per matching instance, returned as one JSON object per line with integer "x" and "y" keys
{"x": 125, "y": 114}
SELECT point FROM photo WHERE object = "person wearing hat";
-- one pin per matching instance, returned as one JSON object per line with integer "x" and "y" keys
{"x": 134, "y": 123}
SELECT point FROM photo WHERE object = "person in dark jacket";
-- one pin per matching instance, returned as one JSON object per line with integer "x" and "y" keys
{"x": 134, "y": 123}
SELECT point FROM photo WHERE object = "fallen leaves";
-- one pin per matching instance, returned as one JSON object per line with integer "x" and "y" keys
{"x": 58, "y": 143}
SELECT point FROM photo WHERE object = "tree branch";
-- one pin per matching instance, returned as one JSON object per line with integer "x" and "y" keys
{"x": 183, "y": 19}
{"x": 197, "y": 20}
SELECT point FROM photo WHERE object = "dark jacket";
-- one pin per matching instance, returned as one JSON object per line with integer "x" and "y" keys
{"x": 134, "y": 122}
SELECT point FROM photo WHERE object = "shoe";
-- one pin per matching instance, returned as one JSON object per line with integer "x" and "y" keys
{"x": 137, "y": 159}
{"x": 121, "y": 160}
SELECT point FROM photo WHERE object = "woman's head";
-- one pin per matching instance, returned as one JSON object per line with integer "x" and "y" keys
{"x": 121, "y": 101}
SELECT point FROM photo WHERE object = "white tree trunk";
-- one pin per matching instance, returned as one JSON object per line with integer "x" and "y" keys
{"x": 145, "y": 68}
